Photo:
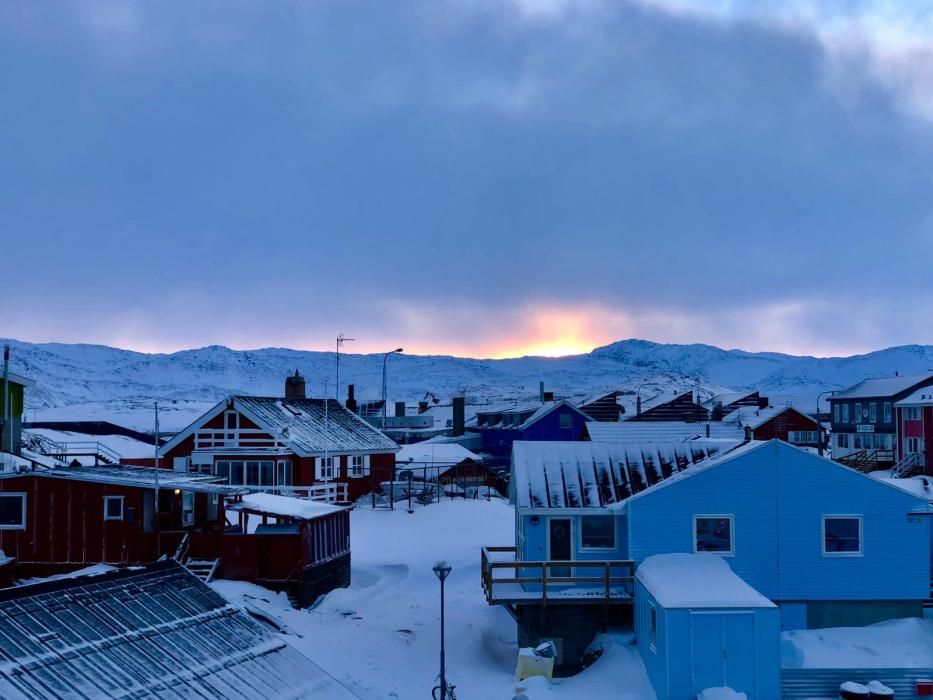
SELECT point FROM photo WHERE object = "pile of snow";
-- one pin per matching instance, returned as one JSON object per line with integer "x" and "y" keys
{"x": 380, "y": 637}
{"x": 904, "y": 643}
{"x": 917, "y": 485}
{"x": 284, "y": 506}
{"x": 697, "y": 581}
{"x": 721, "y": 694}
{"x": 434, "y": 454}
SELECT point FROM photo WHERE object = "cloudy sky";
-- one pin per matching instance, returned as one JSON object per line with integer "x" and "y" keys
{"x": 479, "y": 177}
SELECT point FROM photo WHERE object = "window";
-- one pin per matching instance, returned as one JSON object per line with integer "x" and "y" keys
{"x": 325, "y": 467}
{"x": 187, "y": 508}
{"x": 858, "y": 413}
{"x": 873, "y": 412}
{"x": 842, "y": 440}
{"x": 597, "y": 532}
{"x": 845, "y": 413}
{"x": 857, "y": 441}
{"x": 835, "y": 413}
{"x": 113, "y": 507}
{"x": 285, "y": 473}
{"x": 652, "y": 628}
{"x": 912, "y": 413}
{"x": 887, "y": 412}
{"x": 566, "y": 420}
{"x": 713, "y": 533}
{"x": 803, "y": 437}
{"x": 358, "y": 465}
{"x": 13, "y": 511}
{"x": 842, "y": 535}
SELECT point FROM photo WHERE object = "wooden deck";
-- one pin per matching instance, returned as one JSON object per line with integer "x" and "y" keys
{"x": 510, "y": 582}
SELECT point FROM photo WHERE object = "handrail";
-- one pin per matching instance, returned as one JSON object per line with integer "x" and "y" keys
{"x": 181, "y": 552}
{"x": 906, "y": 463}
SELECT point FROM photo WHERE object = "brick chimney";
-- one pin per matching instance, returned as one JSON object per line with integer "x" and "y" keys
{"x": 295, "y": 387}
{"x": 459, "y": 412}
{"x": 351, "y": 398}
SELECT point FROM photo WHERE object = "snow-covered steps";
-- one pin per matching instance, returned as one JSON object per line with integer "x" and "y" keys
{"x": 204, "y": 569}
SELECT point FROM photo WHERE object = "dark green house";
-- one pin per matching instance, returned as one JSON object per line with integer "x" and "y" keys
{"x": 17, "y": 387}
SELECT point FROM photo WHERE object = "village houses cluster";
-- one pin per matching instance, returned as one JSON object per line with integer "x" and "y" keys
{"x": 708, "y": 526}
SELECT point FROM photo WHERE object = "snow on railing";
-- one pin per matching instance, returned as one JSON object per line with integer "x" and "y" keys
{"x": 330, "y": 492}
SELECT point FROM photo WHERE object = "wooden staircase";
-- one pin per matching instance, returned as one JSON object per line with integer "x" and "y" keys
{"x": 204, "y": 569}
{"x": 867, "y": 460}
{"x": 909, "y": 465}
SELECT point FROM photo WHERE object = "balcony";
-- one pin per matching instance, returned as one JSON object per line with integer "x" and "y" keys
{"x": 248, "y": 439}
{"x": 507, "y": 581}
{"x": 324, "y": 492}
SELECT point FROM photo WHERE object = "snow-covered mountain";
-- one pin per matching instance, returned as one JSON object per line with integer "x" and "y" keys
{"x": 93, "y": 381}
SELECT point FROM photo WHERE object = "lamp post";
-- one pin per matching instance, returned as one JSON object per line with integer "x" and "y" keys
{"x": 385, "y": 359}
{"x": 442, "y": 571}
{"x": 638, "y": 396}
{"x": 819, "y": 423}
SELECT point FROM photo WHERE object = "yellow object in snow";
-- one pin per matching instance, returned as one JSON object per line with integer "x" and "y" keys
{"x": 536, "y": 661}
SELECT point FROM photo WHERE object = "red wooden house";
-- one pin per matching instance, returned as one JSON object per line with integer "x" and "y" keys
{"x": 914, "y": 423}
{"x": 287, "y": 445}
{"x": 777, "y": 422}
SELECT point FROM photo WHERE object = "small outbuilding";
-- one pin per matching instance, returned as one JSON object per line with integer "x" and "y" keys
{"x": 698, "y": 626}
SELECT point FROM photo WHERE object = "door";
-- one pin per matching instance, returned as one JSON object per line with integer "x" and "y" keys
{"x": 148, "y": 511}
{"x": 559, "y": 545}
{"x": 723, "y": 651}
{"x": 706, "y": 651}
{"x": 738, "y": 658}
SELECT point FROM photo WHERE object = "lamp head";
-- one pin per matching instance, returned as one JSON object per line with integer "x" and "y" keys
{"x": 399, "y": 350}
{"x": 442, "y": 570}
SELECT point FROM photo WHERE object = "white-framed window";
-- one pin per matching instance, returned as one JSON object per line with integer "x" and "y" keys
{"x": 187, "y": 508}
{"x": 249, "y": 473}
{"x": 113, "y": 507}
{"x": 842, "y": 535}
{"x": 842, "y": 440}
{"x": 835, "y": 413}
{"x": 653, "y": 627}
{"x": 858, "y": 413}
{"x": 325, "y": 467}
{"x": 845, "y": 413}
{"x": 12, "y": 511}
{"x": 873, "y": 412}
{"x": 597, "y": 532}
{"x": 887, "y": 412}
{"x": 284, "y": 472}
{"x": 358, "y": 466}
{"x": 713, "y": 533}
{"x": 912, "y": 413}
{"x": 803, "y": 437}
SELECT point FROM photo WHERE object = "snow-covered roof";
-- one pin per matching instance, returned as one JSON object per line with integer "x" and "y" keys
{"x": 144, "y": 477}
{"x": 921, "y": 397}
{"x": 303, "y": 424}
{"x": 18, "y": 379}
{"x": 697, "y": 581}
{"x": 597, "y": 474}
{"x": 917, "y": 485}
{"x": 123, "y": 445}
{"x": 727, "y": 398}
{"x": 153, "y": 631}
{"x": 662, "y": 431}
{"x": 885, "y": 386}
{"x": 435, "y": 454}
{"x": 756, "y": 417}
{"x": 283, "y": 506}
{"x": 537, "y": 411}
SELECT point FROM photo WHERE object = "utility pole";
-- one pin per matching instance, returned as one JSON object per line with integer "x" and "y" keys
{"x": 325, "y": 471}
{"x": 7, "y": 445}
{"x": 155, "y": 505}
{"x": 341, "y": 339}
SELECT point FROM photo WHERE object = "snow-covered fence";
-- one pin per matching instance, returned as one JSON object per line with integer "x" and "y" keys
{"x": 801, "y": 683}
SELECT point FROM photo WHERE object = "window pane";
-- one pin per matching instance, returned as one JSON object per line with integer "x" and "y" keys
{"x": 236, "y": 473}
{"x": 841, "y": 535}
{"x": 714, "y": 534}
{"x": 265, "y": 473}
{"x": 252, "y": 473}
{"x": 114, "y": 508}
{"x": 11, "y": 510}
{"x": 598, "y": 531}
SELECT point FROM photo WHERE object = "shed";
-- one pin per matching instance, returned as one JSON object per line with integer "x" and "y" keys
{"x": 698, "y": 625}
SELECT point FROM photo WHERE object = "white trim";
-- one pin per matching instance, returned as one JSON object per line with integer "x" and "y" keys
{"x": 653, "y": 630}
{"x": 615, "y": 534}
{"x": 22, "y": 496}
{"x": 107, "y": 499}
{"x": 728, "y": 516}
{"x": 848, "y": 516}
{"x": 547, "y": 537}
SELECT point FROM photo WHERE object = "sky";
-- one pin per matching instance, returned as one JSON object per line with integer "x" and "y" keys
{"x": 474, "y": 177}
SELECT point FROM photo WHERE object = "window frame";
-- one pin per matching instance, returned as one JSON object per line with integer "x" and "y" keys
{"x": 887, "y": 411}
{"x": 842, "y": 516}
{"x": 845, "y": 413}
{"x": 22, "y": 497}
{"x": 835, "y": 413}
{"x": 122, "y": 501}
{"x": 352, "y": 467}
{"x": 653, "y": 627}
{"x": 566, "y": 418}
{"x": 873, "y": 412}
{"x": 612, "y": 547}
{"x": 706, "y": 516}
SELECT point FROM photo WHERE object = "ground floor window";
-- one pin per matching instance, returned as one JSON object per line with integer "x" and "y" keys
{"x": 842, "y": 440}
{"x": 652, "y": 628}
{"x": 13, "y": 511}
{"x": 713, "y": 533}
{"x": 327, "y": 466}
{"x": 113, "y": 507}
{"x": 597, "y": 532}
{"x": 842, "y": 535}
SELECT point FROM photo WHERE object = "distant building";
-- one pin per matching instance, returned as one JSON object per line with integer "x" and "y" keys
{"x": 653, "y": 432}
{"x": 777, "y": 422}
{"x": 914, "y": 421}
{"x": 12, "y": 443}
{"x": 724, "y": 404}
{"x": 604, "y": 407}
{"x": 680, "y": 408}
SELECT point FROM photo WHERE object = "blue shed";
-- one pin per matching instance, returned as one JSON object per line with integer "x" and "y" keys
{"x": 700, "y": 626}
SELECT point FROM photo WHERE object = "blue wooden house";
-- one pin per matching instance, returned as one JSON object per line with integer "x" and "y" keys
{"x": 548, "y": 421}
{"x": 828, "y": 545}
{"x": 700, "y": 626}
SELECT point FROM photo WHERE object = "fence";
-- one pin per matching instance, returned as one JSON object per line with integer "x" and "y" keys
{"x": 802, "y": 683}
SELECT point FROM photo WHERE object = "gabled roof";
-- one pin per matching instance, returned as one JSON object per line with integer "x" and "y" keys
{"x": 921, "y": 397}
{"x": 662, "y": 431}
{"x": 303, "y": 424}
{"x": 435, "y": 454}
{"x": 597, "y": 474}
{"x": 283, "y": 507}
{"x": 754, "y": 418}
{"x": 697, "y": 581}
{"x": 537, "y": 411}
{"x": 147, "y": 632}
{"x": 883, "y": 387}
{"x": 728, "y": 398}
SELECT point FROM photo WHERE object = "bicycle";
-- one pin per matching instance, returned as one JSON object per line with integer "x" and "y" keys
{"x": 451, "y": 695}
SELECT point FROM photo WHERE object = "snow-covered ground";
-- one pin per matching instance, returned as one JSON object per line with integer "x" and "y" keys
{"x": 381, "y": 636}
{"x": 894, "y": 644}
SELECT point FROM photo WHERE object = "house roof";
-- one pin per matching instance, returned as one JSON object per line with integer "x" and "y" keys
{"x": 756, "y": 417}
{"x": 697, "y": 581}
{"x": 536, "y": 409}
{"x": 142, "y": 477}
{"x": 146, "y": 632}
{"x": 728, "y": 398}
{"x": 435, "y": 454}
{"x": 18, "y": 379}
{"x": 662, "y": 431}
{"x": 598, "y": 474}
{"x": 283, "y": 506}
{"x": 304, "y": 424}
{"x": 885, "y": 386}
{"x": 921, "y": 397}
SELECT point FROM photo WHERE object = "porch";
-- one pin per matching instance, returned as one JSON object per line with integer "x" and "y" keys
{"x": 510, "y": 582}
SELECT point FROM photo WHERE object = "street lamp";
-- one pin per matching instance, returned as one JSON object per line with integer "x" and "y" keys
{"x": 638, "y": 396}
{"x": 819, "y": 423}
{"x": 442, "y": 571}
{"x": 385, "y": 359}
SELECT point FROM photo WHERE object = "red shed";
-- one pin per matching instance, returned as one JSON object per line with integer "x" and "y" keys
{"x": 778, "y": 422}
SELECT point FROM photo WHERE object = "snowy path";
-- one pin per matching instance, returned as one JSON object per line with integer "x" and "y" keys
{"x": 380, "y": 637}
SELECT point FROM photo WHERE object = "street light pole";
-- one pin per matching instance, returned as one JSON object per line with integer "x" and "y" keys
{"x": 341, "y": 339}
{"x": 385, "y": 360}
{"x": 442, "y": 571}
{"x": 819, "y": 423}
{"x": 638, "y": 396}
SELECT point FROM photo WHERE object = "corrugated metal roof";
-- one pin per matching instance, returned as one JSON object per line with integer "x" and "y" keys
{"x": 756, "y": 417}
{"x": 597, "y": 474}
{"x": 310, "y": 431}
{"x": 662, "y": 431}
{"x": 886, "y": 386}
{"x": 143, "y": 477}
{"x": 921, "y": 397}
{"x": 152, "y": 632}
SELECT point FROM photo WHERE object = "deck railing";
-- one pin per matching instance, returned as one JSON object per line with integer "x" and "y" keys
{"x": 247, "y": 439}
{"x": 327, "y": 492}
{"x": 600, "y": 582}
